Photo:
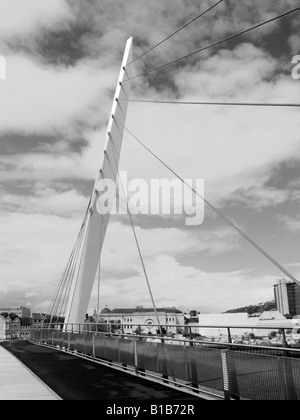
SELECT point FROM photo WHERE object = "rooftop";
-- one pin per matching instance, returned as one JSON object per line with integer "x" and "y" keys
{"x": 145, "y": 310}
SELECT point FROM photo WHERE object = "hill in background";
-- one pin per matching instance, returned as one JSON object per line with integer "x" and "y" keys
{"x": 255, "y": 309}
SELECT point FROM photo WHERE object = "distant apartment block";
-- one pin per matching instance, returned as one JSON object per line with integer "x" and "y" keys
{"x": 21, "y": 311}
{"x": 287, "y": 297}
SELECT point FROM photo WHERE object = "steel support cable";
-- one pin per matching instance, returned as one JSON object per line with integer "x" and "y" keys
{"x": 218, "y": 212}
{"x": 176, "y": 32}
{"x": 67, "y": 275}
{"x": 71, "y": 265}
{"x": 61, "y": 298}
{"x": 54, "y": 300}
{"x": 73, "y": 270}
{"x": 244, "y": 104}
{"x": 83, "y": 245}
{"x": 70, "y": 262}
{"x": 215, "y": 44}
{"x": 99, "y": 274}
{"x": 99, "y": 265}
{"x": 135, "y": 235}
{"x": 69, "y": 279}
{"x": 55, "y": 304}
{"x": 85, "y": 226}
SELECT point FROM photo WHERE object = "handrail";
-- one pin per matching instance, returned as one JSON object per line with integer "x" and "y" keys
{"x": 135, "y": 325}
{"x": 164, "y": 339}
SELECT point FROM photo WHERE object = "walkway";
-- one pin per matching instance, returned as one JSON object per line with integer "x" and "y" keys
{"x": 18, "y": 383}
{"x": 73, "y": 378}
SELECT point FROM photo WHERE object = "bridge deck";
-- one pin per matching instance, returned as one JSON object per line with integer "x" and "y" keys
{"x": 19, "y": 383}
{"x": 73, "y": 378}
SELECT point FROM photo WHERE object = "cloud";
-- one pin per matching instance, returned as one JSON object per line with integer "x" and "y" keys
{"x": 46, "y": 100}
{"x": 291, "y": 224}
{"x": 35, "y": 249}
{"x": 294, "y": 39}
{"x": 45, "y": 201}
{"x": 258, "y": 197}
{"x": 20, "y": 18}
{"x": 174, "y": 285}
{"x": 62, "y": 65}
{"x": 230, "y": 148}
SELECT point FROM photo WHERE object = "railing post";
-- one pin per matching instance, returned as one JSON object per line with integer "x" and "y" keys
{"x": 229, "y": 378}
{"x": 287, "y": 379}
{"x": 136, "y": 359}
{"x": 229, "y": 336}
{"x": 225, "y": 375}
{"x": 191, "y": 337}
{"x": 284, "y": 341}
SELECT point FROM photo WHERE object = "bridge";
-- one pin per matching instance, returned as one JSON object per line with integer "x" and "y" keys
{"x": 163, "y": 366}
{"x": 96, "y": 361}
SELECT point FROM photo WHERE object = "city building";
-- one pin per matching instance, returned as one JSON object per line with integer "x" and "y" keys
{"x": 192, "y": 323}
{"x": 21, "y": 311}
{"x": 287, "y": 297}
{"x": 215, "y": 325}
{"x": 221, "y": 322}
{"x": 130, "y": 319}
{"x": 12, "y": 321}
{"x": 14, "y": 326}
{"x": 37, "y": 318}
{"x": 2, "y": 328}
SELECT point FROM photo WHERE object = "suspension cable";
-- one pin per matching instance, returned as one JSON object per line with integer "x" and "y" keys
{"x": 244, "y": 104}
{"x": 176, "y": 32}
{"x": 218, "y": 212}
{"x": 99, "y": 265}
{"x": 215, "y": 44}
{"x": 69, "y": 280}
{"x": 61, "y": 296}
{"x": 99, "y": 275}
{"x": 54, "y": 307}
{"x": 135, "y": 236}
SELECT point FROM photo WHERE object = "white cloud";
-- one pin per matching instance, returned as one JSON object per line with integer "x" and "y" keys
{"x": 292, "y": 224}
{"x": 258, "y": 197}
{"x": 175, "y": 285}
{"x": 231, "y": 148}
{"x": 46, "y": 201}
{"x": 35, "y": 250}
{"x": 22, "y": 17}
{"x": 44, "y": 99}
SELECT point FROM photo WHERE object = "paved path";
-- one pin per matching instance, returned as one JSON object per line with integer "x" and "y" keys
{"x": 18, "y": 383}
{"x": 73, "y": 378}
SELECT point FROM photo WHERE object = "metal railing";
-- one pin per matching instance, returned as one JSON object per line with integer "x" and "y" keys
{"x": 18, "y": 333}
{"x": 227, "y": 370}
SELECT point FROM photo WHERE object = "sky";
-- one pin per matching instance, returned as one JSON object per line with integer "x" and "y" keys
{"x": 63, "y": 59}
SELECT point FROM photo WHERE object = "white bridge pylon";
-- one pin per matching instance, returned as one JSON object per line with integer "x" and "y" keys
{"x": 96, "y": 224}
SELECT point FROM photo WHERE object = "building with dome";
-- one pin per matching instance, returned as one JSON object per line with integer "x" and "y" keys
{"x": 131, "y": 318}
